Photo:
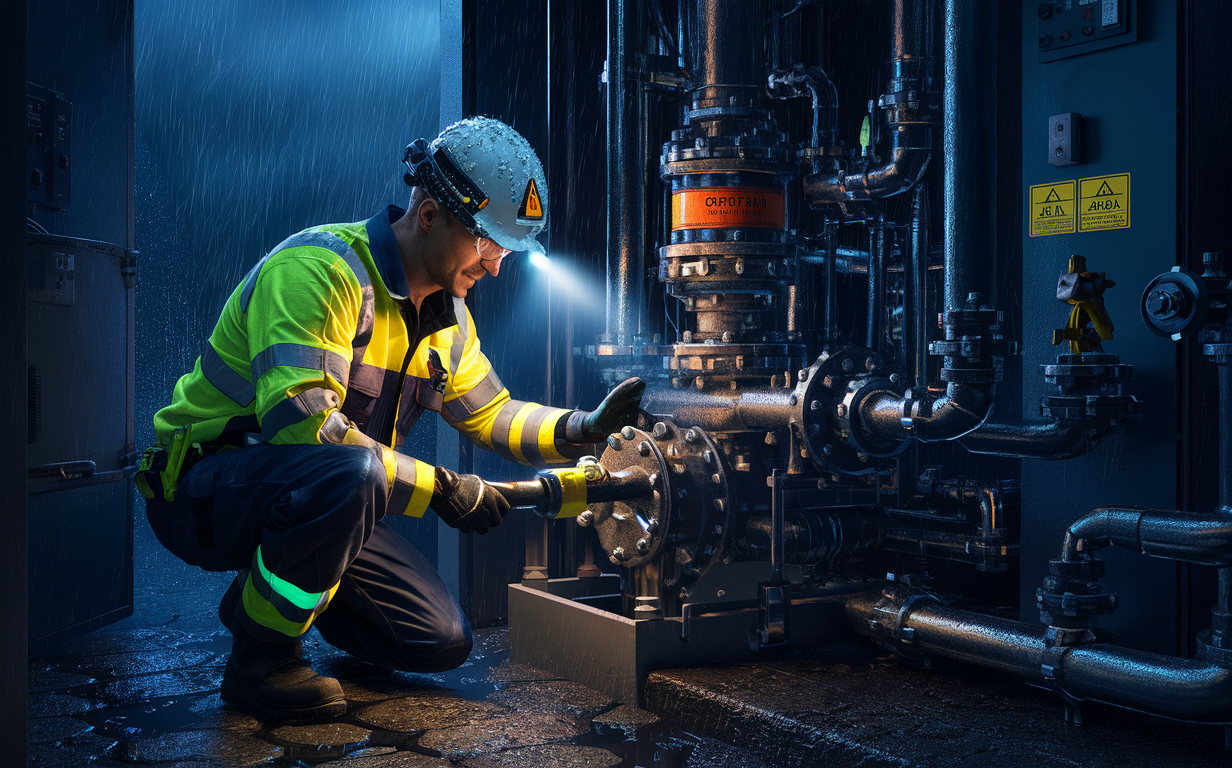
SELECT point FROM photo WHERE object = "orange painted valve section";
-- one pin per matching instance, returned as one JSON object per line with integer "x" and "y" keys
{"x": 718, "y": 207}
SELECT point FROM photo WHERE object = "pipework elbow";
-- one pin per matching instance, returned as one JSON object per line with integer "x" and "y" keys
{"x": 910, "y": 154}
{"x": 917, "y": 415}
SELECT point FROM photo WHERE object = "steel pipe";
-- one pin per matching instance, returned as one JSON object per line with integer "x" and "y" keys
{"x": 1163, "y": 685}
{"x": 626, "y": 173}
{"x": 751, "y": 409}
{"x": 1204, "y": 539}
{"x": 1051, "y": 440}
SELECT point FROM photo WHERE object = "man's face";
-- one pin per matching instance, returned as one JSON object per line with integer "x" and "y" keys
{"x": 458, "y": 259}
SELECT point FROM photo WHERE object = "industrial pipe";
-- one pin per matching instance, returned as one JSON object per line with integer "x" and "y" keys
{"x": 750, "y": 409}
{"x": 968, "y": 399}
{"x": 911, "y": 141}
{"x": 625, "y": 184}
{"x": 960, "y": 410}
{"x": 1052, "y": 440}
{"x": 813, "y": 82}
{"x": 1203, "y": 539}
{"x": 919, "y": 625}
{"x": 813, "y": 536}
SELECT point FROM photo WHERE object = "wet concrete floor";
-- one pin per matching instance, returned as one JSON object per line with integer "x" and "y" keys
{"x": 848, "y": 704}
{"x": 149, "y": 696}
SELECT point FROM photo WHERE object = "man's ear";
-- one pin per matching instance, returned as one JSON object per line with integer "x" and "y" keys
{"x": 428, "y": 214}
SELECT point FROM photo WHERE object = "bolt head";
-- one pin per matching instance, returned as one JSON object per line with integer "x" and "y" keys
{"x": 619, "y": 555}
{"x": 691, "y": 436}
{"x": 660, "y": 430}
{"x": 715, "y": 478}
{"x": 628, "y": 433}
{"x": 841, "y": 410}
{"x": 848, "y": 365}
{"x": 719, "y": 505}
{"x": 643, "y": 546}
{"x": 614, "y": 442}
{"x": 827, "y": 449}
{"x": 643, "y": 448}
{"x": 586, "y": 518}
{"x": 815, "y": 406}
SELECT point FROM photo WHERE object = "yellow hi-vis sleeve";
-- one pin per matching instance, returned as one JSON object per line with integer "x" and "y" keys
{"x": 300, "y": 323}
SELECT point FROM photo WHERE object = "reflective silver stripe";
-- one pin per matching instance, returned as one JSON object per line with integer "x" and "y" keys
{"x": 530, "y": 436}
{"x": 480, "y": 395}
{"x": 404, "y": 486}
{"x": 224, "y": 378}
{"x": 301, "y": 356}
{"x": 459, "y": 336}
{"x": 326, "y": 240}
{"x": 293, "y": 410}
{"x": 500, "y": 428}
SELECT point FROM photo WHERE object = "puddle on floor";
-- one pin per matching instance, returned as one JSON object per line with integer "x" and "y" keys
{"x": 655, "y": 746}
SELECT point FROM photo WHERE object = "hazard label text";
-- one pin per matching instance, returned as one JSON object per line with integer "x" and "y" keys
{"x": 1053, "y": 210}
{"x": 1103, "y": 203}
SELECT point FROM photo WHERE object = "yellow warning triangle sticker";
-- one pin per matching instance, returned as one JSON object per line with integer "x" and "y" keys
{"x": 531, "y": 208}
{"x": 1104, "y": 191}
{"x": 1052, "y": 195}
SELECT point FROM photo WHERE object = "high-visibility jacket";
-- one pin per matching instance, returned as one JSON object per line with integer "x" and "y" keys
{"x": 321, "y": 325}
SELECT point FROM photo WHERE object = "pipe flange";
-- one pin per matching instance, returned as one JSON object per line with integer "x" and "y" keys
{"x": 703, "y": 504}
{"x": 822, "y": 417}
{"x": 862, "y": 439}
{"x": 633, "y": 531}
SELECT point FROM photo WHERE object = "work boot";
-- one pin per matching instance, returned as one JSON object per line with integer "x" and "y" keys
{"x": 273, "y": 681}
{"x": 231, "y": 600}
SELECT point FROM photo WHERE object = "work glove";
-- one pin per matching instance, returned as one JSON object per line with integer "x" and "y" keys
{"x": 466, "y": 502}
{"x": 618, "y": 409}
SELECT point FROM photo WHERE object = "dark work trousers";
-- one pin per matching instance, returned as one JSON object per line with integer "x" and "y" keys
{"x": 316, "y": 512}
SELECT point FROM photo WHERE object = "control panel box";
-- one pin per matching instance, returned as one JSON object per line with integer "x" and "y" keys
{"x": 49, "y": 148}
{"x": 1074, "y": 27}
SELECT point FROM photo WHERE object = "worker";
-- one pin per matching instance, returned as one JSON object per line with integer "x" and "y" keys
{"x": 277, "y": 456}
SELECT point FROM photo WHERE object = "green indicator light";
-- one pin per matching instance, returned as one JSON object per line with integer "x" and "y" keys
{"x": 866, "y": 130}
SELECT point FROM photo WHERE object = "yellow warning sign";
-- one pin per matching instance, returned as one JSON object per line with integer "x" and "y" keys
{"x": 1103, "y": 203}
{"x": 531, "y": 208}
{"x": 1053, "y": 209}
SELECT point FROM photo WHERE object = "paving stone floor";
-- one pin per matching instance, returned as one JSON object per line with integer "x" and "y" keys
{"x": 144, "y": 692}
{"x": 149, "y": 696}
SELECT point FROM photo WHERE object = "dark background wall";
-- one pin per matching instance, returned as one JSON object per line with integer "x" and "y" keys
{"x": 1138, "y": 466}
{"x": 13, "y": 370}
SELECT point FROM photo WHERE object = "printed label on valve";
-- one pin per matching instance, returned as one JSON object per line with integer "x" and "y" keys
{"x": 714, "y": 207}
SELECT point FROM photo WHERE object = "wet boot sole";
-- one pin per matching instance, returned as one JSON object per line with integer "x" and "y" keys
{"x": 239, "y": 696}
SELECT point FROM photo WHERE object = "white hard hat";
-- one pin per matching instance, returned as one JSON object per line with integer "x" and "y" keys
{"x": 488, "y": 176}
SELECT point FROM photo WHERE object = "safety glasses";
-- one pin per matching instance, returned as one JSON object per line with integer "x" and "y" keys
{"x": 489, "y": 252}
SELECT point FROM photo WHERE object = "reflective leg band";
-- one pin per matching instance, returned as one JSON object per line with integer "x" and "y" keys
{"x": 277, "y": 607}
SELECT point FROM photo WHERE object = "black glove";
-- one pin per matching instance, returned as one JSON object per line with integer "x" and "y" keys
{"x": 466, "y": 502}
{"x": 618, "y": 409}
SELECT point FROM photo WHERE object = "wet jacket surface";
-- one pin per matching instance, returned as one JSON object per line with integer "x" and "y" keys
{"x": 322, "y": 325}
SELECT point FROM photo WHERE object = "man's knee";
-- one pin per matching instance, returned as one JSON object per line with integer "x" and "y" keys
{"x": 446, "y": 649}
{"x": 356, "y": 479}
